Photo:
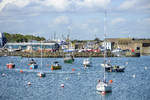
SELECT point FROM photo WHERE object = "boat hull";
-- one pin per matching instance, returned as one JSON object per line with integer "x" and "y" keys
{"x": 112, "y": 69}
{"x": 69, "y": 61}
{"x": 33, "y": 66}
{"x": 41, "y": 74}
{"x": 55, "y": 67}
{"x": 10, "y": 66}
{"x": 103, "y": 87}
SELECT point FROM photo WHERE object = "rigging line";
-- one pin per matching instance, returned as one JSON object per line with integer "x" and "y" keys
{"x": 105, "y": 16}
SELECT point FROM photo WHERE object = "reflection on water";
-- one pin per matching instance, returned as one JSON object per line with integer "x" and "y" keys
{"x": 78, "y": 85}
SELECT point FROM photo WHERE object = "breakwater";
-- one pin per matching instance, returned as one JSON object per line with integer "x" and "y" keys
{"x": 62, "y": 54}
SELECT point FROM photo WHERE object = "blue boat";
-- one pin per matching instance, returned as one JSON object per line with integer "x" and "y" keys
{"x": 33, "y": 64}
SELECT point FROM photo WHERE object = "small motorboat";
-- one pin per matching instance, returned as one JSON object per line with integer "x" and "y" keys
{"x": 10, "y": 65}
{"x": 86, "y": 62}
{"x": 32, "y": 64}
{"x": 55, "y": 66}
{"x": 41, "y": 74}
{"x": 103, "y": 86}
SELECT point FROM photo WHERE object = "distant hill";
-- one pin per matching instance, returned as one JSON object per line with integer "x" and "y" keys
{"x": 21, "y": 38}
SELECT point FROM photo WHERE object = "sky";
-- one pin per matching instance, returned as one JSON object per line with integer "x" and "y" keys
{"x": 81, "y": 19}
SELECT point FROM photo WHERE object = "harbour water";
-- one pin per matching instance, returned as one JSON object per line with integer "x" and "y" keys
{"x": 80, "y": 84}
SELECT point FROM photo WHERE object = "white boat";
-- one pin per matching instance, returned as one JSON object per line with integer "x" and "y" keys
{"x": 41, "y": 74}
{"x": 103, "y": 87}
{"x": 106, "y": 65}
{"x": 86, "y": 62}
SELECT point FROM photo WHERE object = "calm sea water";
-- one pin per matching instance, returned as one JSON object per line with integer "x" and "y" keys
{"x": 80, "y": 85}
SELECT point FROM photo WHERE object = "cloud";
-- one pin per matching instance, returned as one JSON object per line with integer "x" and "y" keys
{"x": 92, "y": 3}
{"x": 18, "y": 3}
{"x": 60, "y": 5}
{"x": 118, "y": 20}
{"x": 145, "y": 21}
{"x": 135, "y": 5}
{"x": 61, "y": 20}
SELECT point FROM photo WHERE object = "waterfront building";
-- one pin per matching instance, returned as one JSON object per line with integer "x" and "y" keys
{"x": 139, "y": 45}
{"x": 108, "y": 45}
{"x": 48, "y": 47}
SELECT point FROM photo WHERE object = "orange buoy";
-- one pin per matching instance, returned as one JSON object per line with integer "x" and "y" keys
{"x": 30, "y": 67}
{"x": 110, "y": 81}
{"x": 73, "y": 69}
{"x": 21, "y": 71}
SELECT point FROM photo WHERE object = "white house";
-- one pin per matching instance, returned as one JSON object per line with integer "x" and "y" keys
{"x": 107, "y": 45}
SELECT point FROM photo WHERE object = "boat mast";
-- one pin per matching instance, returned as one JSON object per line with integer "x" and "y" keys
{"x": 105, "y": 15}
{"x": 41, "y": 53}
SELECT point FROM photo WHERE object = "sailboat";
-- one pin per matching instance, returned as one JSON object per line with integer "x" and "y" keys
{"x": 32, "y": 63}
{"x": 68, "y": 57}
{"x": 10, "y": 65}
{"x": 41, "y": 73}
{"x": 103, "y": 86}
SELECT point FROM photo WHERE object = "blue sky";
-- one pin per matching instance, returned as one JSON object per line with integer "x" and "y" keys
{"x": 82, "y": 19}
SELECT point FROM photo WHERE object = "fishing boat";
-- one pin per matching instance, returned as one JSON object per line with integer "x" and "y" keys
{"x": 10, "y": 65}
{"x": 68, "y": 58}
{"x": 115, "y": 68}
{"x": 86, "y": 62}
{"x": 32, "y": 64}
{"x": 55, "y": 66}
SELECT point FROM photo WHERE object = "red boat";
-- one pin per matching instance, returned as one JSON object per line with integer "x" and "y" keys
{"x": 10, "y": 65}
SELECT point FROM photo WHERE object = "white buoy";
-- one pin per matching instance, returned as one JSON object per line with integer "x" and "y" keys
{"x": 133, "y": 75}
{"x": 67, "y": 78}
{"x": 3, "y": 74}
{"x": 78, "y": 73}
{"x": 62, "y": 85}
{"x": 145, "y": 68}
{"x": 29, "y": 83}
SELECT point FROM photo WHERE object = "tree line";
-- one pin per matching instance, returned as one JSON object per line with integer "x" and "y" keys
{"x": 21, "y": 38}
